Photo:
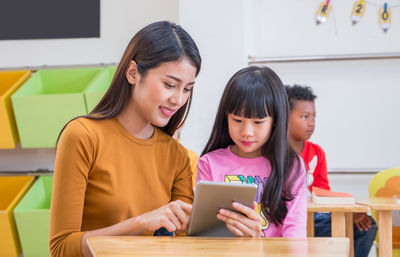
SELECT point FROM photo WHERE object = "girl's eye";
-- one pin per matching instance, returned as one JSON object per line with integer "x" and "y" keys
{"x": 258, "y": 122}
{"x": 236, "y": 120}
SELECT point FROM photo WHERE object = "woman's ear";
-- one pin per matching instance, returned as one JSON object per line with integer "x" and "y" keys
{"x": 132, "y": 74}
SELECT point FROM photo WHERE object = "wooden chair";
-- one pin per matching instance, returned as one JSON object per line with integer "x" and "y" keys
{"x": 386, "y": 183}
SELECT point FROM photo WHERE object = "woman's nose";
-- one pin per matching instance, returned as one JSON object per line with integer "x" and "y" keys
{"x": 178, "y": 98}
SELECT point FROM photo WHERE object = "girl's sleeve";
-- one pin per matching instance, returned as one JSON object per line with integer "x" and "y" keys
{"x": 203, "y": 170}
{"x": 73, "y": 162}
{"x": 295, "y": 223}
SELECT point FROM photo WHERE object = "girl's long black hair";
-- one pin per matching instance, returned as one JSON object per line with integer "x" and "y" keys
{"x": 157, "y": 43}
{"x": 257, "y": 92}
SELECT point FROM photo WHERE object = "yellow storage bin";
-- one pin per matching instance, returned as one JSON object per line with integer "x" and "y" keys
{"x": 12, "y": 189}
{"x": 10, "y": 81}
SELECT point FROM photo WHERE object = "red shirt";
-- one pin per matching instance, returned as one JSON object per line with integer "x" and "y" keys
{"x": 317, "y": 171}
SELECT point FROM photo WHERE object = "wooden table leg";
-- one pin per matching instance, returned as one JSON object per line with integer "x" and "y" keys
{"x": 385, "y": 232}
{"x": 350, "y": 232}
{"x": 310, "y": 224}
{"x": 338, "y": 224}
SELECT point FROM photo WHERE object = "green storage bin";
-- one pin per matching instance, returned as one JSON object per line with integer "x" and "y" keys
{"x": 95, "y": 92}
{"x": 32, "y": 216}
{"x": 47, "y": 101}
{"x": 12, "y": 189}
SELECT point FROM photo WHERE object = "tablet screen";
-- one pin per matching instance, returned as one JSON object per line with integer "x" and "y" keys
{"x": 209, "y": 198}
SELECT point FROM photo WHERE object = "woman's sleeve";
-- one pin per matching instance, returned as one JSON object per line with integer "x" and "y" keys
{"x": 73, "y": 162}
{"x": 203, "y": 170}
{"x": 295, "y": 223}
{"x": 182, "y": 188}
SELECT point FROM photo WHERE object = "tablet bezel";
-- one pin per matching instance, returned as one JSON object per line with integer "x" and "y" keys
{"x": 209, "y": 198}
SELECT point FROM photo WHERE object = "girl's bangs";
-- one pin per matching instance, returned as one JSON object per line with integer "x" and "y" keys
{"x": 250, "y": 101}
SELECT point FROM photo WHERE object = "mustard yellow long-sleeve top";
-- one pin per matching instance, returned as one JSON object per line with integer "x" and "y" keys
{"x": 103, "y": 175}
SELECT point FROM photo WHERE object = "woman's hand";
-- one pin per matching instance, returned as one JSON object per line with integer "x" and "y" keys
{"x": 173, "y": 216}
{"x": 248, "y": 223}
{"x": 362, "y": 221}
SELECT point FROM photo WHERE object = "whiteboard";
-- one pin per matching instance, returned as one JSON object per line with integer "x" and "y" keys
{"x": 288, "y": 28}
{"x": 119, "y": 21}
{"x": 358, "y": 109}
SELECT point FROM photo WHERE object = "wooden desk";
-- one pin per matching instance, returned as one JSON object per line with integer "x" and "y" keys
{"x": 342, "y": 219}
{"x": 383, "y": 207}
{"x": 108, "y": 246}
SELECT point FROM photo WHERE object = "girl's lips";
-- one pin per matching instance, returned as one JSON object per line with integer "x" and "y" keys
{"x": 167, "y": 111}
{"x": 246, "y": 143}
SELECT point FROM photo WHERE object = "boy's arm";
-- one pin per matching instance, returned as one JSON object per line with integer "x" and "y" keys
{"x": 321, "y": 171}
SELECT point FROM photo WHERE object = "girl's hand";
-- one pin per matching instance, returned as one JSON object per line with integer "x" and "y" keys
{"x": 173, "y": 216}
{"x": 362, "y": 221}
{"x": 249, "y": 223}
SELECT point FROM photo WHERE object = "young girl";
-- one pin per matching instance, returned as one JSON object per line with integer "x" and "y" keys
{"x": 248, "y": 144}
{"x": 118, "y": 171}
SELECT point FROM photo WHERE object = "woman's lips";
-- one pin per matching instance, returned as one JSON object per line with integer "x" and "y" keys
{"x": 167, "y": 111}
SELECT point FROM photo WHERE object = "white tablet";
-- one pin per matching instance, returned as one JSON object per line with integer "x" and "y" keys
{"x": 209, "y": 198}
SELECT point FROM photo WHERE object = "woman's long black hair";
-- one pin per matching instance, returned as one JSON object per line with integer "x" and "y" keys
{"x": 157, "y": 43}
{"x": 257, "y": 92}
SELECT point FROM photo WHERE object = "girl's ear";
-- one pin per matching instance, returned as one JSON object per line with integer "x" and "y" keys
{"x": 132, "y": 74}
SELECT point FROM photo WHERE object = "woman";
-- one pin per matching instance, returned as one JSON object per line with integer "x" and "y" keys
{"x": 118, "y": 171}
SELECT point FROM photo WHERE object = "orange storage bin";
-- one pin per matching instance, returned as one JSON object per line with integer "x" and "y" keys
{"x": 10, "y": 81}
{"x": 12, "y": 189}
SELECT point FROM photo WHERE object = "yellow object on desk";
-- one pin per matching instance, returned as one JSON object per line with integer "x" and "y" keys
{"x": 107, "y": 246}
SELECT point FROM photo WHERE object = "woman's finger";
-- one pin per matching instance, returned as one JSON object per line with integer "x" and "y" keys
{"x": 180, "y": 213}
{"x": 170, "y": 214}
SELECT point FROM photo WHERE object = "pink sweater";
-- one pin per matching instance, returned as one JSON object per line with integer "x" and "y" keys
{"x": 223, "y": 166}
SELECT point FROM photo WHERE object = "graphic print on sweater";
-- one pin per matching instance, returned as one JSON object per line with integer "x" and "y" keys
{"x": 260, "y": 188}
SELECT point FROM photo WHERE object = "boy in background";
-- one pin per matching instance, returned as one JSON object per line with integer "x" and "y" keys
{"x": 301, "y": 127}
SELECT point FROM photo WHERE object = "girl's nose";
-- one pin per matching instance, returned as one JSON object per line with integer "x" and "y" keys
{"x": 247, "y": 130}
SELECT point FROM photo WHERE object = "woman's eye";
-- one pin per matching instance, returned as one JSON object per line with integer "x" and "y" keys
{"x": 169, "y": 85}
{"x": 187, "y": 89}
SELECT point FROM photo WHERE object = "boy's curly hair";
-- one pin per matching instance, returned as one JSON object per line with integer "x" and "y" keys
{"x": 299, "y": 93}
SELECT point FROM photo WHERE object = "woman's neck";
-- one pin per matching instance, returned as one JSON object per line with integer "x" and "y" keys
{"x": 297, "y": 145}
{"x": 134, "y": 122}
